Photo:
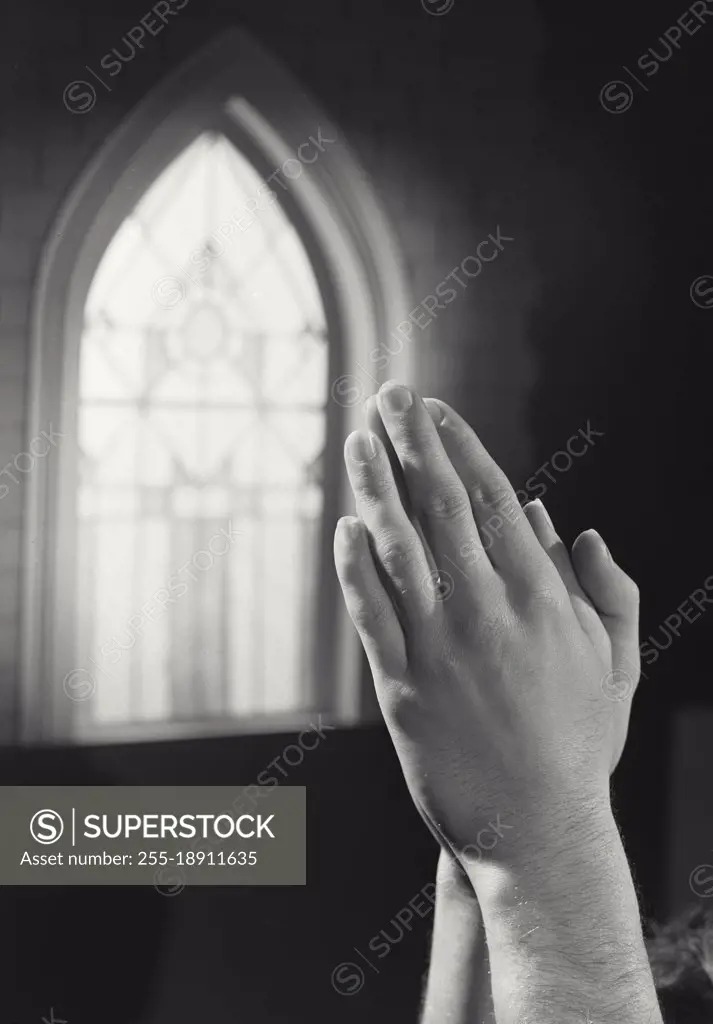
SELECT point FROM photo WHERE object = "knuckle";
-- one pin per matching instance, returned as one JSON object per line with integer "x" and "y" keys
{"x": 448, "y": 503}
{"x": 380, "y": 615}
{"x": 496, "y": 494}
{"x": 546, "y": 598}
{"x": 370, "y": 484}
{"x": 369, "y": 616}
{"x": 416, "y": 446}
{"x": 501, "y": 497}
{"x": 423, "y": 458}
{"x": 395, "y": 553}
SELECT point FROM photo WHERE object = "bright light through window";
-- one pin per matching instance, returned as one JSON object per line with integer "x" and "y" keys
{"x": 203, "y": 384}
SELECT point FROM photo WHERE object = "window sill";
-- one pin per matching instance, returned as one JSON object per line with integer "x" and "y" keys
{"x": 190, "y": 729}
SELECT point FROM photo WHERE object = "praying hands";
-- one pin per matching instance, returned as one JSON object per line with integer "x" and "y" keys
{"x": 505, "y": 671}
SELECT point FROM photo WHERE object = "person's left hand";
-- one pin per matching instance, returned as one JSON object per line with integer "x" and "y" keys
{"x": 601, "y": 593}
{"x": 473, "y": 651}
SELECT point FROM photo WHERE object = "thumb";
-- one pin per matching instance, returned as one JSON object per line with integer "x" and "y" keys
{"x": 614, "y": 595}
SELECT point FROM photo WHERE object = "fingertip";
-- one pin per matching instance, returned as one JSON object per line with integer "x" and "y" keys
{"x": 375, "y": 424}
{"x": 348, "y": 530}
{"x": 395, "y": 398}
{"x": 600, "y": 541}
{"x": 392, "y": 382}
{"x": 592, "y": 542}
{"x": 536, "y": 508}
{"x": 371, "y": 411}
{"x": 348, "y": 522}
{"x": 361, "y": 446}
{"x": 350, "y": 546}
{"x": 610, "y": 588}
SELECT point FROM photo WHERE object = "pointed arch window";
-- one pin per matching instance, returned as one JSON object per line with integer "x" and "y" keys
{"x": 209, "y": 320}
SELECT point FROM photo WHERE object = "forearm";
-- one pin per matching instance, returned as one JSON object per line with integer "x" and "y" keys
{"x": 563, "y": 929}
{"x": 458, "y": 986}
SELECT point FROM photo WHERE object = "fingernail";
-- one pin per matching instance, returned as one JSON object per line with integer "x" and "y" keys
{"x": 600, "y": 543}
{"x": 360, "y": 448}
{"x": 396, "y": 398}
{"x": 536, "y": 501}
{"x": 367, "y": 405}
{"x": 435, "y": 410}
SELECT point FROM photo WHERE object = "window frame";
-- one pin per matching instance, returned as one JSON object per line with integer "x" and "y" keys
{"x": 359, "y": 272}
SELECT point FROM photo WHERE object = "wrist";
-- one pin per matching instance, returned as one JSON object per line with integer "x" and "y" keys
{"x": 552, "y": 866}
{"x": 458, "y": 980}
{"x": 562, "y": 908}
{"x": 453, "y": 886}
{"x": 551, "y": 859}
{"x": 540, "y": 836}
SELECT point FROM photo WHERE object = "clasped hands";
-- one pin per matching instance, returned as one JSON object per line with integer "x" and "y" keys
{"x": 504, "y": 668}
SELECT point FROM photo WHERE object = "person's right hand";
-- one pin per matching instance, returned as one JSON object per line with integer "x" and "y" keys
{"x": 607, "y": 607}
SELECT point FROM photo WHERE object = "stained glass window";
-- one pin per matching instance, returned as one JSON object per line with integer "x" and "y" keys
{"x": 203, "y": 385}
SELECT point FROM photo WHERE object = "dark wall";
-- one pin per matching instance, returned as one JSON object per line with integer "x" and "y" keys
{"x": 266, "y": 953}
{"x": 623, "y": 228}
{"x": 488, "y": 115}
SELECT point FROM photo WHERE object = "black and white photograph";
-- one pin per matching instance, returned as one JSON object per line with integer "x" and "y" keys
{"x": 356, "y": 571}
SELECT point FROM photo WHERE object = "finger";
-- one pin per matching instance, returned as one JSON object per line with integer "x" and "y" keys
{"x": 506, "y": 535}
{"x": 369, "y": 606}
{"x": 399, "y": 553}
{"x": 437, "y": 494}
{"x": 548, "y": 537}
{"x": 614, "y": 595}
{"x": 375, "y": 424}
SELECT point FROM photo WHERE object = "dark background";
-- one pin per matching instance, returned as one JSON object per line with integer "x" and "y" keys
{"x": 486, "y": 115}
